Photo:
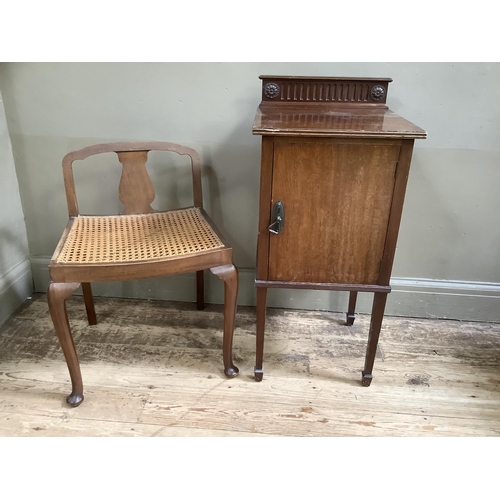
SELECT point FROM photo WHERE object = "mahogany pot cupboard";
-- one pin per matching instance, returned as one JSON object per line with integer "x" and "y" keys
{"x": 334, "y": 169}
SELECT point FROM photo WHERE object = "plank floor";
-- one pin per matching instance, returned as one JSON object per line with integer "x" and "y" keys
{"x": 154, "y": 368}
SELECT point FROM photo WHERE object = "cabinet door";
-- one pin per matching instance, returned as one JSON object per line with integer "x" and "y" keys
{"x": 337, "y": 196}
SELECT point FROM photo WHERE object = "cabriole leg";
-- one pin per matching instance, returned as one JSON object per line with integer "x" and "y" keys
{"x": 56, "y": 298}
{"x": 229, "y": 274}
{"x": 375, "y": 325}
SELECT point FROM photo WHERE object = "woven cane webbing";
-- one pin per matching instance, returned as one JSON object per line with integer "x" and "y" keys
{"x": 133, "y": 238}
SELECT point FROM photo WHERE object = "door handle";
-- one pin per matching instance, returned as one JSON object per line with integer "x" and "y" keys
{"x": 278, "y": 218}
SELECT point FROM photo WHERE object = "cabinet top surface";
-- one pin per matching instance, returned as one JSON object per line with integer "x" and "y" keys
{"x": 324, "y": 106}
{"x": 332, "y": 120}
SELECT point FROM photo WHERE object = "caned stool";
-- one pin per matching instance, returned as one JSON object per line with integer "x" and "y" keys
{"x": 140, "y": 243}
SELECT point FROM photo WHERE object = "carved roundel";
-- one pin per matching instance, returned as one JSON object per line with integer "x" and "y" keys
{"x": 377, "y": 93}
{"x": 271, "y": 90}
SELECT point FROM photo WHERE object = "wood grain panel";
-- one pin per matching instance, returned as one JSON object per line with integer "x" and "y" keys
{"x": 337, "y": 196}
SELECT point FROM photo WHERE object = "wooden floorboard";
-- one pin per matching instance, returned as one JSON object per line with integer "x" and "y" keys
{"x": 154, "y": 368}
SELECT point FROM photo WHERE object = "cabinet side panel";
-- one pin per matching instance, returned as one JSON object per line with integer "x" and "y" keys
{"x": 266, "y": 170}
{"x": 396, "y": 211}
{"x": 337, "y": 196}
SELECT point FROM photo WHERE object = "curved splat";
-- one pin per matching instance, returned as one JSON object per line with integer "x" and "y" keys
{"x": 136, "y": 189}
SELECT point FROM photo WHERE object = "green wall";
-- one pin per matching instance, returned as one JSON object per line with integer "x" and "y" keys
{"x": 447, "y": 261}
{"x": 16, "y": 283}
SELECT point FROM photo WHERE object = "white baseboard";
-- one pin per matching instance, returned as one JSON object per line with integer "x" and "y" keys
{"x": 412, "y": 297}
{"x": 16, "y": 285}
